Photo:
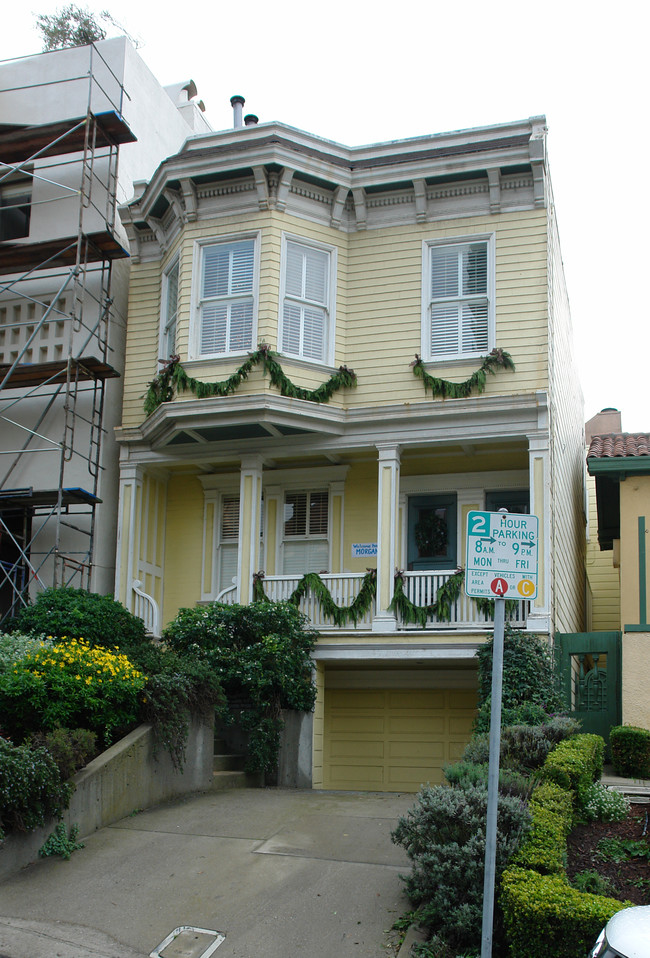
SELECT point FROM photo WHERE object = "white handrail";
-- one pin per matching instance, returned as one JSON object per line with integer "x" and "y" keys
{"x": 146, "y": 608}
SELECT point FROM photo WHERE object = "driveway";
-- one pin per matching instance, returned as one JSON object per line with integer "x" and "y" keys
{"x": 278, "y": 873}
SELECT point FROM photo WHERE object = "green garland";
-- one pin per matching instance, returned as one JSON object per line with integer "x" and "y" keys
{"x": 173, "y": 378}
{"x": 443, "y": 388}
{"x": 312, "y": 582}
{"x": 446, "y": 595}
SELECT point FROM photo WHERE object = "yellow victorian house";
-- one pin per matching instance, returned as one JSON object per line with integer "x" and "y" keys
{"x": 334, "y": 354}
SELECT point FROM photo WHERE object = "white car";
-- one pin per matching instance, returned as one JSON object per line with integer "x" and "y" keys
{"x": 626, "y": 935}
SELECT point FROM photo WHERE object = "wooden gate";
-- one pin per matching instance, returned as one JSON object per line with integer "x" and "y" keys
{"x": 590, "y": 671}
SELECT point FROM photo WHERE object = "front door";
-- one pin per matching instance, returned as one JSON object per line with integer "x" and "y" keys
{"x": 432, "y": 532}
{"x": 590, "y": 672}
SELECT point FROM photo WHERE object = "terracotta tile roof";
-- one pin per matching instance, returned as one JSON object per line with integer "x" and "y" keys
{"x": 622, "y": 444}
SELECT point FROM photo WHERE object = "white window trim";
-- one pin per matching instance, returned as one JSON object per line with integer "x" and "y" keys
{"x": 197, "y": 282}
{"x": 175, "y": 263}
{"x": 328, "y": 359}
{"x": 425, "y": 342}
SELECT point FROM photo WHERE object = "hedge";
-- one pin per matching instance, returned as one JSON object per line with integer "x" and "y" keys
{"x": 544, "y": 848}
{"x": 546, "y": 918}
{"x": 630, "y": 751}
{"x": 575, "y": 763}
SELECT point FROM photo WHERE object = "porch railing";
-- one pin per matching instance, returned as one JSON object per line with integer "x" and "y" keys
{"x": 344, "y": 587}
{"x": 422, "y": 588}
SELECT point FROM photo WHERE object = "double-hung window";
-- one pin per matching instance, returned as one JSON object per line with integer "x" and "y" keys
{"x": 306, "y": 310}
{"x": 228, "y": 541}
{"x": 226, "y": 304}
{"x": 458, "y": 300}
{"x": 169, "y": 310}
{"x": 306, "y": 529}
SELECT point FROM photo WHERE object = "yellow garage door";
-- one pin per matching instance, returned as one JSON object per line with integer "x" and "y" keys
{"x": 394, "y": 740}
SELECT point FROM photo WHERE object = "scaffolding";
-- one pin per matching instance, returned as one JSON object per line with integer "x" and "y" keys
{"x": 56, "y": 256}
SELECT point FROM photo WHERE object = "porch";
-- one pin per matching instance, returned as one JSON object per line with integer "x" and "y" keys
{"x": 423, "y": 590}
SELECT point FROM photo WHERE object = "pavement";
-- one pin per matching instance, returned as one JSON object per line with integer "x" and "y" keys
{"x": 247, "y": 873}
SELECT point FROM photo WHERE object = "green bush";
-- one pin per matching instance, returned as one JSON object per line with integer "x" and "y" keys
{"x": 591, "y": 883}
{"x": 602, "y": 804}
{"x": 511, "y": 782}
{"x": 99, "y": 619}
{"x": 630, "y": 751}
{"x": 262, "y": 655}
{"x": 530, "y": 687}
{"x": 544, "y": 848}
{"x": 14, "y": 645}
{"x": 71, "y": 749}
{"x": 546, "y": 918}
{"x": 522, "y": 746}
{"x": 70, "y": 685}
{"x": 576, "y": 763}
{"x": 31, "y": 789}
{"x": 444, "y": 836}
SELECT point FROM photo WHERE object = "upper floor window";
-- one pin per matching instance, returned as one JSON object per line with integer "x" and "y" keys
{"x": 307, "y": 301}
{"x": 169, "y": 310}
{"x": 226, "y": 300}
{"x": 458, "y": 304}
{"x": 15, "y": 209}
{"x": 306, "y": 532}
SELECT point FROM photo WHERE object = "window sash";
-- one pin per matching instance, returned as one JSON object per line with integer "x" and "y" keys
{"x": 227, "y": 302}
{"x": 305, "y": 307}
{"x": 459, "y": 305}
{"x": 170, "y": 310}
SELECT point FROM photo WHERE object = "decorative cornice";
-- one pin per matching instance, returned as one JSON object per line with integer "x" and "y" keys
{"x": 311, "y": 193}
{"x": 244, "y": 186}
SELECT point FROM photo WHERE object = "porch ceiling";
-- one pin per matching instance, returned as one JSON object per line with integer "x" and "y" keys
{"x": 222, "y": 430}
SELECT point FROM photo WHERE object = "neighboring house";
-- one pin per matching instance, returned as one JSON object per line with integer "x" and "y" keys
{"x": 618, "y": 566}
{"x": 64, "y": 116}
{"x": 400, "y": 261}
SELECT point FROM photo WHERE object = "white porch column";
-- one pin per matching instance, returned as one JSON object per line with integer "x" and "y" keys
{"x": 250, "y": 505}
{"x": 539, "y": 617}
{"x": 387, "y": 532}
{"x": 128, "y": 533}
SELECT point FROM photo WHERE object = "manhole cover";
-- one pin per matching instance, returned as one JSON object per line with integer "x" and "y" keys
{"x": 189, "y": 942}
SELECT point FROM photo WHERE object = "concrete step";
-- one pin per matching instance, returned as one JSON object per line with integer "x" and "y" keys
{"x": 229, "y": 779}
{"x": 227, "y": 762}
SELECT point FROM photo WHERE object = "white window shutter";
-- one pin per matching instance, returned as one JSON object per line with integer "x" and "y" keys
{"x": 227, "y": 306}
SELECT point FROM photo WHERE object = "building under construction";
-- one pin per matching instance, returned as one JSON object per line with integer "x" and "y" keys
{"x": 65, "y": 118}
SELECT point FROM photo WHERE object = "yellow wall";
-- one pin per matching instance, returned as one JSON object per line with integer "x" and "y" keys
{"x": 635, "y": 502}
{"x": 378, "y": 305}
{"x": 184, "y": 545}
{"x": 603, "y": 578}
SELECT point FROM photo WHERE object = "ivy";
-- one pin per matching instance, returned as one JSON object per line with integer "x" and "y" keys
{"x": 441, "y": 608}
{"x": 445, "y": 389}
{"x": 312, "y": 582}
{"x": 172, "y": 379}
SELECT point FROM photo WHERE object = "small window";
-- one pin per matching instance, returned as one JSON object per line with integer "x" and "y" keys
{"x": 514, "y": 500}
{"x": 15, "y": 210}
{"x": 228, "y": 545}
{"x": 170, "y": 310}
{"x": 226, "y": 301}
{"x": 306, "y": 315}
{"x": 458, "y": 320}
{"x": 306, "y": 529}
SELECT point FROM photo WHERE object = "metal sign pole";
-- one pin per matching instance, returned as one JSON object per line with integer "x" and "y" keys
{"x": 493, "y": 779}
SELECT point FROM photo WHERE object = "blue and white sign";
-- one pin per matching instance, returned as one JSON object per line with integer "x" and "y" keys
{"x": 502, "y": 555}
{"x": 364, "y": 550}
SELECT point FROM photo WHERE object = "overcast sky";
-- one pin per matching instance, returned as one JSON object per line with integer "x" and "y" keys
{"x": 360, "y": 73}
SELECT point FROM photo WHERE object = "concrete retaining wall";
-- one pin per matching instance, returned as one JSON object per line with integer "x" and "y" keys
{"x": 124, "y": 778}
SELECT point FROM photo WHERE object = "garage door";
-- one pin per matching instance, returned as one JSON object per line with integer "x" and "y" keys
{"x": 394, "y": 740}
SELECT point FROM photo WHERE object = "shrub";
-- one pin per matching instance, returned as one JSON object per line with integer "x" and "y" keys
{"x": 530, "y": 688}
{"x": 71, "y": 749}
{"x": 546, "y": 918}
{"x": 31, "y": 789}
{"x": 444, "y": 836}
{"x": 70, "y": 685}
{"x": 61, "y": 843}
{"x": 522, "y": 746}
{"x": 262, "y": 655}
{"x": 544, "y": 848}
{"x": 511, "y": 782}
{"x": 630, "y": 751}
{"x": 14, "y": 645}
{"x": 99, "y": 618}
{"x": 576, "y": 763}
{"x": 600, "y": 803}
{"x": 591, "y": 883}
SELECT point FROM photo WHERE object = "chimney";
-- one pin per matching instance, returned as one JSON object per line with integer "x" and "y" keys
{"x": 251, "y": 120}
{"x": 237, "y": 102}
{"x": 604, "y": 422}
